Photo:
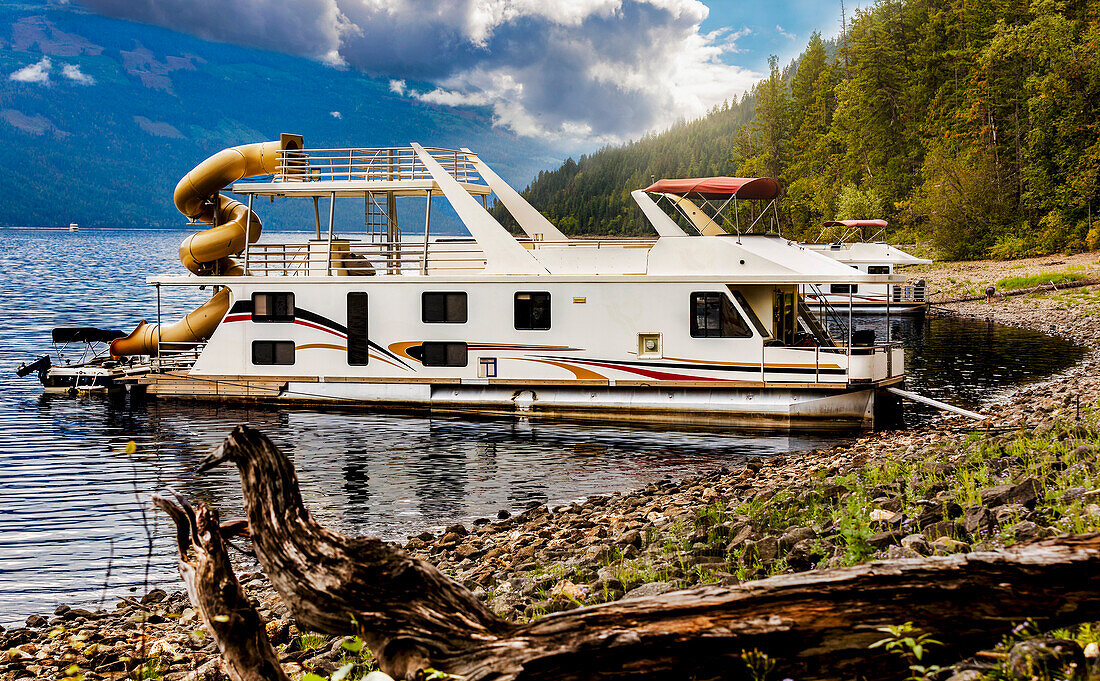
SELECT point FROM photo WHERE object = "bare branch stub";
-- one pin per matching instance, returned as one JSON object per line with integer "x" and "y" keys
{"x": 216, "y": 594}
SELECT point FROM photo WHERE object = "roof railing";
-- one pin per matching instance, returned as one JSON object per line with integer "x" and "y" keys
{"x": 378, "y": 164}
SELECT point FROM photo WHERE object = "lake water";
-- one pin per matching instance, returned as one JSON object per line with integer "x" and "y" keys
{"x": 74, "y": 506}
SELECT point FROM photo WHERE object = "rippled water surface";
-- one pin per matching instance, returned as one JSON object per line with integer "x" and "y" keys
{"x": 73, "y": 504}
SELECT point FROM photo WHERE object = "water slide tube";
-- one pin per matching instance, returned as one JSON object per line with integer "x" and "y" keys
{"x": 208, "y": 252}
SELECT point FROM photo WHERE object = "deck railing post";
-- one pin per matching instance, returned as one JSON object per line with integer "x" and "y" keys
{"x": 331, "y": 220}
{"x": 158, "y": 326}
{"x": 427, "y": 225}
{"x": 248, "y": 231}
{"x": 849, "y": 369}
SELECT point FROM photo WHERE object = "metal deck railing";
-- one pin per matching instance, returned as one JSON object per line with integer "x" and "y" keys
{"x": 371, "y": 164}
{"x": 177, "y": 356}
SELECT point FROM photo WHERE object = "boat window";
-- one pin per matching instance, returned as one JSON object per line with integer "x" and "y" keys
{"x": 532, "y": 310}
{"x": 358, "y": 345}
{"x": 272, "y": 352}
{"x": 272, "y": 307}
{"x": 843, "y": 288}
{"x": 443, "y": 308}
{"x": 878, "y": 269}
{"x": 750, "y": 313}
{"x": 714, "y": 316}
{"x": 444, "y": 354}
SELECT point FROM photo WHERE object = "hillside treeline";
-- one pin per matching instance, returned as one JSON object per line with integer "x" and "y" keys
{"x": 975, "y": 123}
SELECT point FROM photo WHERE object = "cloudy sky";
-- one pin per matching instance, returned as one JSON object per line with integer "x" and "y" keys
{"x": 588, "y": 71}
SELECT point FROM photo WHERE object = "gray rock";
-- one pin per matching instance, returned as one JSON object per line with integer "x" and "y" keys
{"x": 1027, "y": 530}
{"x": 978, "y": 520}
{"x": 805, "y": 554}
{"x": 894, "y": 552}
{"x": 631, "y": 538}
{"x": 918, "y": 543}
{"x": 1026, "y": 493}
{"x": 647, "y": 590}
{"x": 765, "y": 550}
{"x": 945, "y": 528}
{"x": 794, "y": 536}
{"x": 506, "y": 603}
{"x": 609, "y": 584}
{"x": 743, "y": 535}
{"x": 949, "y": 545}
{"x": 1046, "y": 659}
{"x": 37, "y": 621}
{"x": 1010, "y": 513}
{"x": 884, "y": 539}
{"x": 967, "y": 675}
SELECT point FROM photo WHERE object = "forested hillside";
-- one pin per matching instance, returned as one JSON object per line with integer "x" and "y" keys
{"x": 975, "y": 123}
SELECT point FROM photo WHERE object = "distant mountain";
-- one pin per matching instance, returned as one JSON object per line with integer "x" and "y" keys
{"x": 99, "y": 118}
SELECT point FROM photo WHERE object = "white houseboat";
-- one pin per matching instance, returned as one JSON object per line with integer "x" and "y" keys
{"x": 872, "y": 257}
{"x": 675, "y": 329}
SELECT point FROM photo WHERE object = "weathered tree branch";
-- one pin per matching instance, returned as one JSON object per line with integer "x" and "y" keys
{"x": 217, "y": 595}
{"x": 816, "y": 625}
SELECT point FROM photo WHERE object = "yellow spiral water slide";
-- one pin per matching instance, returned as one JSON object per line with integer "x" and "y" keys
{"x": 208, "y": 252}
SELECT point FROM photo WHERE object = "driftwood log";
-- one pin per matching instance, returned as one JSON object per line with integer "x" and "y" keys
{"x": 815, "y": 625}
{"x": 216, "y": 594}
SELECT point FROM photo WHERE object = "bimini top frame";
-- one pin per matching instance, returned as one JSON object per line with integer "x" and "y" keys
{"x": 714, "y": 194}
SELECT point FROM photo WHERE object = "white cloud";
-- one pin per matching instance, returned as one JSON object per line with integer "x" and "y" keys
{"x": 336, "y": 114}
{"x": 451, "y": 97}
{"x": 786, "y": 34}
{"x": 35, "y": 73}
{"x": 73, "y": 73}
{"x": 597, "y": 70}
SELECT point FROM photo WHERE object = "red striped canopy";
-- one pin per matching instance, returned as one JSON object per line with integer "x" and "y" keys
{"x": 763, "y": 188}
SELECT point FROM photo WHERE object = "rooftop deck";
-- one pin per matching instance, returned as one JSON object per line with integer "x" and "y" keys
{"x": 354, "y": 171}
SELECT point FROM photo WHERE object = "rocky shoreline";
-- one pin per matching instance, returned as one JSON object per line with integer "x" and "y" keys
{"x": 944, "y": 488}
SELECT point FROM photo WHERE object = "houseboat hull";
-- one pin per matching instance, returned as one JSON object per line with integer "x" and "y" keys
{"x": 762, "y": 408}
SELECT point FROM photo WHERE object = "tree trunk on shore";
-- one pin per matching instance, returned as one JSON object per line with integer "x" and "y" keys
{"x": 814, "y": 625}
